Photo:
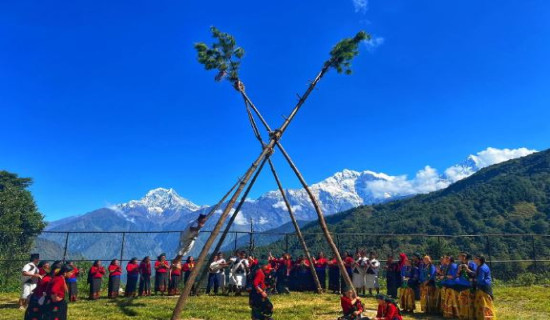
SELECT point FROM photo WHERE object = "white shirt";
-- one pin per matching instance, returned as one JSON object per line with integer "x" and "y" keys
{"x": 30, "y": 268}
{"x": 188, "y": 237}
{"x": 374, "y": 265}
{"x": 216, "y": 266}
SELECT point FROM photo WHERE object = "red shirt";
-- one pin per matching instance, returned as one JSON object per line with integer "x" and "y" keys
{"x": 74, "y": 273}
{"x": 98, "y": 272}
{"x": 259, "y": 279}
{"x": 41, "y": 271}
{"x": 176, "y": 271}
{"x": 187, "y": 266}
{"x": 333, "y": 263}
{"x": 114, "y": 270}
{"x": 392, "y": 313}
{"x": 161, "y": 267}
{"x": 57, "y": 287}
{"x": 348, "y": 261}
{"x": 381, "y": 310}
{"x": 347, "y": 306}
{"x": 321, "y": 263}
{"x": 42, "y": 286}
{"x": 132, "y": 269}
{"x": 145, "y": 268}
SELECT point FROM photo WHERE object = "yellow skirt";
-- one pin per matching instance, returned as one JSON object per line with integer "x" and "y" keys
{"x": 466, "y": 305}
{"x": 440, "y": 299}
{"x": 484, "y": 308}
{"x": 428, "y": 299}
{"x": 406, "y": 300}
{"x": 450, "y": 303}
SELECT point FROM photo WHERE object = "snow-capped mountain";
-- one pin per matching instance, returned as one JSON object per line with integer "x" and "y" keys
{"x": 164, "y": 209}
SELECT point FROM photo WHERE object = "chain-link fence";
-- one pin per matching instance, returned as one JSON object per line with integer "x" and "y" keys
{"x": 509, "y": 255}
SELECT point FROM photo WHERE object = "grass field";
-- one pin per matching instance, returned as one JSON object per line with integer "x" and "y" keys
{"x": 512, "y": 303}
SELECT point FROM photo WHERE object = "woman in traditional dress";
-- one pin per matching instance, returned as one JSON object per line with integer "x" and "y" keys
{"x": 351, "y": 306}
{"x": 358, "y": 272}
{"x": 283, "y": 273}
{"x": 56, "y": 309}
{"x": 450, "y": 301}
{"x": 333, "y": 275}
{"x": 187, "y": 268}
{"x": 463, "y": 288}
{"x": 484, "y": 308}
{"x": 372, "y": 268}
{"x": 72, "y": 282}
{"x": 161, "y": 274}
{"x": 94, "y": 279}
{"x": 406, "y": 293}
{"x": 441, "y": 271}
{"x": 132, "y": 270}
{"x": 145, "y": 277}
{"x": 175, "y": 277}
{"x": 115, "y": 271}
{"x": 427, "y": 287}
{"x": 391, "y": 276}
{"x": 321, "y": 269}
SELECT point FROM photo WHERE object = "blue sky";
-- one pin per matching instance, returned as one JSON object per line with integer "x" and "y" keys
{"x": 101, "y": 101}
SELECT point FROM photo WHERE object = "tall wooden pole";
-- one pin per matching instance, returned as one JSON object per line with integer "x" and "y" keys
{"x": 231, "y": 220}
{"x": 298, "y": 231}
{"x": 316, "y": 206}
{"x": 266, "y": 152}
{"x": 281, "y": 189}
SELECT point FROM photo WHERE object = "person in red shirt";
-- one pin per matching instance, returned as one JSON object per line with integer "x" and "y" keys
{"x": 95, "y": 276}
{"x": 115, "y": 271}
{"x": 72, "y": 282}
{"x": 351, "y": 306}
{"x": 321, "y": 264}
{"x": 283, "y": 273}
{"x": 186, "y": 268}
{"x": 262, "y": 308}
{"x": 145, "y": 277}
{"x": 57, "y": 306}
{"x": 175, "y": 277}
{"x": 132, "y": 268}
{"x": 333, "y": 275}
{"x": 381, "y": 310}
{"x": 392, "y": 311}
{"x": 162, "y": 268}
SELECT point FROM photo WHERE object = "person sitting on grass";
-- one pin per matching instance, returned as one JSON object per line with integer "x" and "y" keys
{"x": 392, "y": 311}
{"x": 381, "y": 310}
{"x": 351, "y": 305}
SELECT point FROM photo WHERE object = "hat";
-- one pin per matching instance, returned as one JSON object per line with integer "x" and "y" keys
{"x": 201, "y": 216}
{"x": 35, "y": 256}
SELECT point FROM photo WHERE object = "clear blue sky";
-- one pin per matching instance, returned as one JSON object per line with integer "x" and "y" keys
{"x": 101, "y": 101}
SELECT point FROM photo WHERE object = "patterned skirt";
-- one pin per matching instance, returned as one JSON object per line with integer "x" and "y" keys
{"x": 131, "y": 285}
{"x": 450, "y": 303}
{"x": 56, "y": 310}
{"x": 484, "y": 308}
{"x": 406, "y": 299}
{"x": 144, "y": 285}
{"x": 114, "y": 286}
{"x": 428, "y": 299}
{"x": 73, "y": 290}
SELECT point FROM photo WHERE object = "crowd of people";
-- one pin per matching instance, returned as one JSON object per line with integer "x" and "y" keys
{"x": 458, "y": 288}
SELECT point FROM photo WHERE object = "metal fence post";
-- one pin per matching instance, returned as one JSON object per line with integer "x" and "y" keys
{"x": 534, "y": 252}
{"x": 286, "y": 243}
{"x": 65, "y": 248}
{"x": 122, "y": 246}
{"x": 489, "y": 253}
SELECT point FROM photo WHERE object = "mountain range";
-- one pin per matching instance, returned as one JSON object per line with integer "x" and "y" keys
{"x": 163, "y": 209}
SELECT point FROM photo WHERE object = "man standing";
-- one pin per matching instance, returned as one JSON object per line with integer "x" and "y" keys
{"x": 371, "y": 274}
{"x": 216, "y": 275}
{"x": 29, "y": 278}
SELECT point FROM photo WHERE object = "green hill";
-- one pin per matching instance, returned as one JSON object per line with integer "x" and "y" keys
{"x": 510, "y": 197}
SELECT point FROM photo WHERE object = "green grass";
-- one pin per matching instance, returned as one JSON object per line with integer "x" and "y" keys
{"x": 512, "y": 303}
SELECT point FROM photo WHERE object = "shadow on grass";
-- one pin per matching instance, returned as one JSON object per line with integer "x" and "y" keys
{"x": 126, "y": 304}
{"x": 9, "y": 306}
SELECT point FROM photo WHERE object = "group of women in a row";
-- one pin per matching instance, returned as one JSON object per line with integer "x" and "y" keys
{"x": 455, "y": 288}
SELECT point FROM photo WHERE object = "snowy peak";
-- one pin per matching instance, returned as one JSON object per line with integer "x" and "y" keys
{"x": 159, "y": 200}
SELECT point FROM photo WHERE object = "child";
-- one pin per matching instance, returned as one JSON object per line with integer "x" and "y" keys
{"x": 351, "y": 306}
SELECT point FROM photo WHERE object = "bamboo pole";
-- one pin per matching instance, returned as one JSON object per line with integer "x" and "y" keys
{"x": 231, "y": 220}
{"x": 316, "y": 206}
{"x": 214, "y": 209}
{"x": 298, "y": 231}
{"x": 266, "y": 152}
{"x": 248, "y": 103}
